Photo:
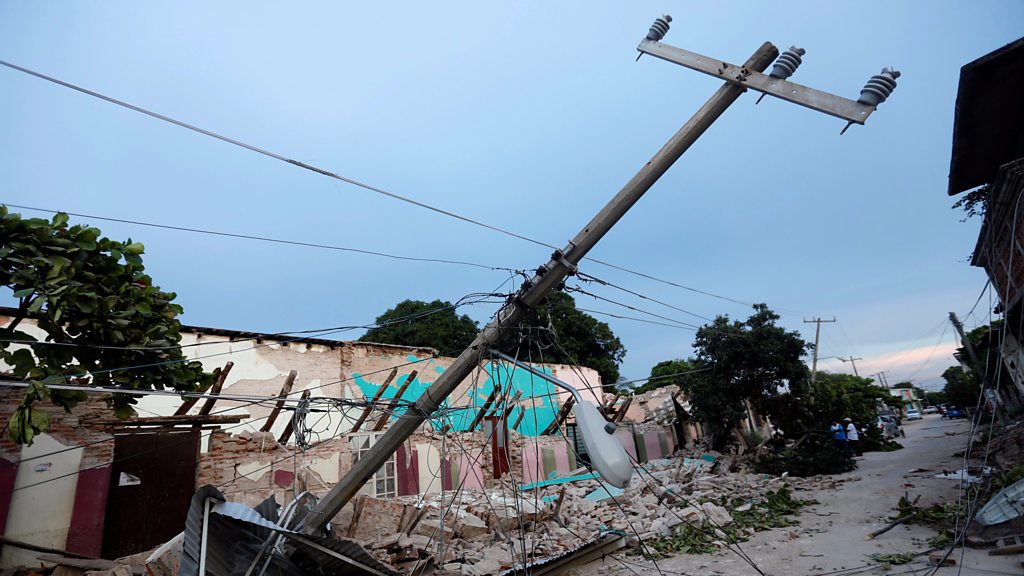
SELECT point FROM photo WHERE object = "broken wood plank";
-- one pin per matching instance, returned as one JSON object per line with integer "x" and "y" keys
{"x": 487, "y": 406}
{"x": 511, "y": 404}
{"x": 621, "y": 413}
{"x": 286, "y": 388}
{"x": 519, "y": 419}
{"x": 357, "y": 511}
{"x": 215, "y": 389}
{"x": 187, "y": 419}
{"x": 376, "y": 397}
{"x": 394, "y": 402}
{"x": 558, "y": 503}
{"x": 287, "y": 434}
{"x": 562, "y": 415}
{"x": 420, "y": 514}
{"x": 219, "y": 375}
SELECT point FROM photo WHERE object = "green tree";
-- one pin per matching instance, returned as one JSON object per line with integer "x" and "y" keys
{"x": 935, "y": 398}
{"x": 578, "y": 338}
{"x": 839, "y": 396}
{"x": 667, "y": 373}
{"x": 431, "y": 324}
{"x": 104, "y": 319}
{"x": 962, "y": 388}
{"x": 754, "y": 360}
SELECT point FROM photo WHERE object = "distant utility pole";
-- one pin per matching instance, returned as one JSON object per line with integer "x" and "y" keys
{"x": 563, "y": 262}
{"x": 817, "y": 336}
{"x": 851, "y": 360}
{"x": 881, "y": 378}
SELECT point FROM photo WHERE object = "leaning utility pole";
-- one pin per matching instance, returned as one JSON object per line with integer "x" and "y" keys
{"x": 563, "y": 262}
{"x": 851, "y": 360}
{"x": 979, "y": 368}
{"x": 817, "y": 336}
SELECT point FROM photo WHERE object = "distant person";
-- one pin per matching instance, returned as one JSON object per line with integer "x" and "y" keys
{"x": 852, "y": 436}
{"x": 839, "y": 436}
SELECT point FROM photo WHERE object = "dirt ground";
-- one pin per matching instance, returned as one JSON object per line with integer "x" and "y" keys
{"x": 830, "y": 539}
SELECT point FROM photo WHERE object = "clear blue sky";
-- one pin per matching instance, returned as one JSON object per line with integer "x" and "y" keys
{"x": 528, "y": 116}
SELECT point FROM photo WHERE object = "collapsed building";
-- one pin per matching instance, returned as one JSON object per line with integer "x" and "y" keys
{"x": 289, "y": 416}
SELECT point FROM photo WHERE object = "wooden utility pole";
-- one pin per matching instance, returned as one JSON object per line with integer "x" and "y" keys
{"x": 550, "y": 276}
{"x": 817, "y": 337}
{"x": 563, "y": 262}
{"x": 851, "y": 360}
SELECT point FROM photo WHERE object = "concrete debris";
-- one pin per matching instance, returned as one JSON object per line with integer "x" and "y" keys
{"x": 486, "y": 532}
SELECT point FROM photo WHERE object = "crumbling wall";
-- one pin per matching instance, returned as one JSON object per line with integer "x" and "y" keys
{"x": 57, "y": 496}
{"x": 251, "y": 466}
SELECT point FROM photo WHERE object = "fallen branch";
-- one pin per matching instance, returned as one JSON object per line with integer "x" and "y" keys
{"x": 895, "y": 522}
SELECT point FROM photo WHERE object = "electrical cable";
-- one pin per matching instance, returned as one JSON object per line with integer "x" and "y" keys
{"x": 268, "y": 398}
{"x": 739, "y": 551}
{"x": 589, "y": 278}
{"x": 464, "y": 301}
{"x": 633, "y": 308}
{"x": 351, "y": 181}
{"x": 261, "y": 238}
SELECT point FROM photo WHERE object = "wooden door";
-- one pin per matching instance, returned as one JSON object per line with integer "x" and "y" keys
{"x": 152, "y": 480}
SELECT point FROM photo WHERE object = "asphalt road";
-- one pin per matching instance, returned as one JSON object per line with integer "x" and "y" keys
{"x": 830, "y": 539}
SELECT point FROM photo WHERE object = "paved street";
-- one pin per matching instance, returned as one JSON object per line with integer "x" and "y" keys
{"x": 831, "y": 536}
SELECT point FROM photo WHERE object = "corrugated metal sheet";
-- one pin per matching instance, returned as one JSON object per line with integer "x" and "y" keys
{"x": 587, "y": 552}
{"x": 237, "y": 533}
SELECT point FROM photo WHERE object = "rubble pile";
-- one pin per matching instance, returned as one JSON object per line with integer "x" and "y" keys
{"x": 474, "y": 532}
{"x": 1005, "y": 448}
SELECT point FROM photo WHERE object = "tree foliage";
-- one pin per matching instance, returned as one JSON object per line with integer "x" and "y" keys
{"x": 430, "y": 324}
{"x": 974, "y": 203}
{"x": 754, "y": 360}
{"x": 579, "y": 338}
{"x": 104, "y": 319}
{"x": 667, "y": 373}
{"x": 962, "y": 388}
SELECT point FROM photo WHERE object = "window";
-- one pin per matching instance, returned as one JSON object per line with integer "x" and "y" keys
{"x": 384, "y": 483}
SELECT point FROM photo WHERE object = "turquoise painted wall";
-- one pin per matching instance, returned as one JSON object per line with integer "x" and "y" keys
{"x": 459, "y": 412}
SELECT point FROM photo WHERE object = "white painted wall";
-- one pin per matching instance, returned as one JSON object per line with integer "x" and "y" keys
{"x": 41, "y": 513}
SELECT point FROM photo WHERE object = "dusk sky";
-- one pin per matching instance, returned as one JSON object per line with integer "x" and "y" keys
{"x": 528, "y": 116}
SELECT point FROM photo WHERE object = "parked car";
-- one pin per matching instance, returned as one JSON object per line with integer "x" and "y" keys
{"x": 887, "y": 424}
{"x": 913, "y": 414}
{"x": 930, "y": 410}
{"x": 954, "y": 412}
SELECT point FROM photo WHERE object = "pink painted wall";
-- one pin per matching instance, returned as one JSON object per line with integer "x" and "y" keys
{"x": 86, "y": 531}
{"x": 625, "y": 436}
{"x": 470, "y": 474}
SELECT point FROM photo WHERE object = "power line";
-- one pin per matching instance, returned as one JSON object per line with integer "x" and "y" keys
{"x": 589, "y": 278}
{"x": 261, "y": 238}
{"x": 633, "y": 308}
{"x": 464, "y": 301}
{"x": 347, "y": 180}
{"x": 270, "y": 154}
{"x": 643, "y": 320}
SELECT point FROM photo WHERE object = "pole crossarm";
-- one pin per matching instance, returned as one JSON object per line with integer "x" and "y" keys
{"x": 844, "y": 108}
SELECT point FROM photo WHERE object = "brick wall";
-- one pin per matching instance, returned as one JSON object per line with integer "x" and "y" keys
{"x": 251, "y": 466}
{"x": 75, "y": 429}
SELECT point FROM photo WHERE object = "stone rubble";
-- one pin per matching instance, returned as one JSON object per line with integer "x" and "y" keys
{"x": 487, "y": 532}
